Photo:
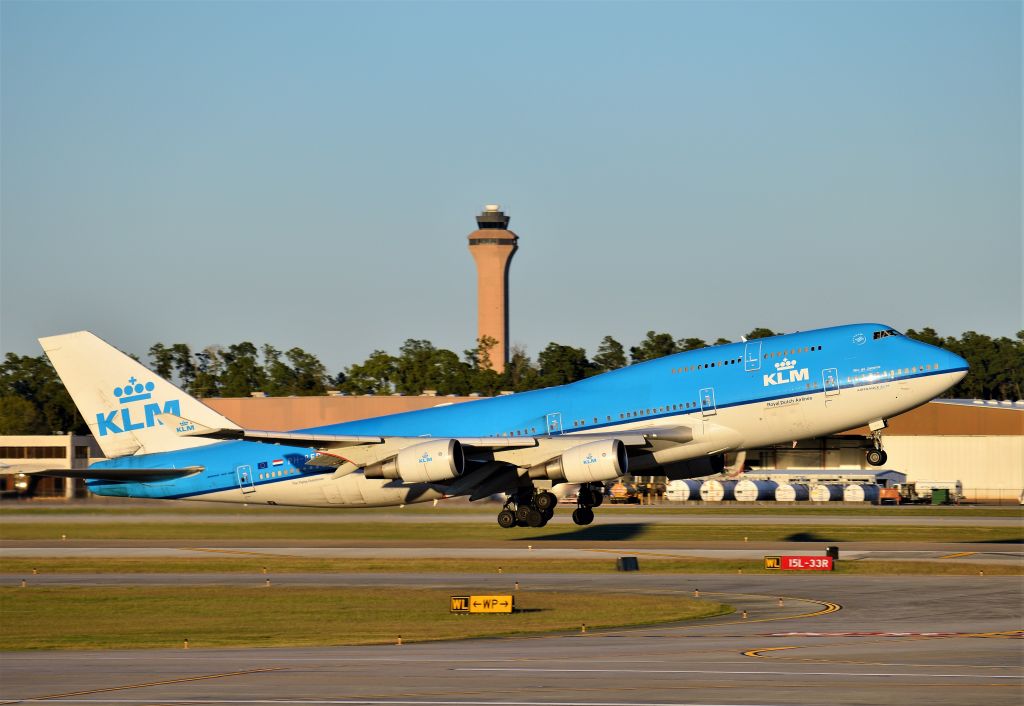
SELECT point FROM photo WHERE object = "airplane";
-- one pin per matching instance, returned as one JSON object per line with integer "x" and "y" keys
{"x": 674, "y": 416}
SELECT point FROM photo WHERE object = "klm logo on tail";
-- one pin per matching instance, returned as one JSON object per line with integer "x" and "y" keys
{"x": 785, "y": 373}
{"x": 120, "y": 420}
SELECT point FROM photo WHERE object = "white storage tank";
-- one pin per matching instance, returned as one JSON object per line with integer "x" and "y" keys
{"x": 791, "y": 492}
{"x": 749, "y": 491}
{"x": 824, "y": 492}
{"x": 713, "y": 491}
{"x": 861, "y": 493}
{"x": 680, "y": 491}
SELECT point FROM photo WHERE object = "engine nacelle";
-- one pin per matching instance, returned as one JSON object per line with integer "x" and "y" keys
{"x": 586, "y": 463}
{"x": 429, "y": 462}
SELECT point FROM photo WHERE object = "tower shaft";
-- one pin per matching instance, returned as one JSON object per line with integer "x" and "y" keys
{"x": 492, "y": 247}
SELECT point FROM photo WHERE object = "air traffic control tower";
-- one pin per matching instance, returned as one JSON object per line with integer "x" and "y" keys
{"x": 493, "y": 246}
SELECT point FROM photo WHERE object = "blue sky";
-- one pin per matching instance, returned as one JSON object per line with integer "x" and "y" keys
{"x": 306, "y": 174}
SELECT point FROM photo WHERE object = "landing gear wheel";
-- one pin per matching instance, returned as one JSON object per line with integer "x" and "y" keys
{"x": 596, "y": 497}
{"x": 506, "y": 519}
{"x": 534, "y": 518}
{"x": 545, "y": 501}
{"x": 583, "y": 516}
{"x": 876, "y": 457}
{"x": 522, "y": 514}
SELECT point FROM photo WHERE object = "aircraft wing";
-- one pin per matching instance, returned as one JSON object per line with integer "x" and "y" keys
{"x": 139, "y": 475}
{"x": 361, "y": 449}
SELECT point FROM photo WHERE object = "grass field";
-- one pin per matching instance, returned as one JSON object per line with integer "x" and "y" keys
{"x": 289, "y": 565}
{"x": 440, "y": 531}
{"x": 110, "y": 618}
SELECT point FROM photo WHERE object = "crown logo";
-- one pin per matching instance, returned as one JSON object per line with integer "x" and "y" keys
{"x": 785, "y": 364}
{"x": 134, "y": 391}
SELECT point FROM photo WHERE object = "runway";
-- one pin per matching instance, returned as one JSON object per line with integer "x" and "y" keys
{"x": 970, "y": 553}
{"x": 835, "y": 639}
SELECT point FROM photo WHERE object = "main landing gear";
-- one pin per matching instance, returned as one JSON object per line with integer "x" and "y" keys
{"x": 528, "y": 508}
{"x": 590, "y": 496}
{"x": 876, "y": 456}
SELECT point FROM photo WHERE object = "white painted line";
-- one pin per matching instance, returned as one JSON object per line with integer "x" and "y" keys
{"x": 754, "y": 672}
{"x": 357, "y": 702}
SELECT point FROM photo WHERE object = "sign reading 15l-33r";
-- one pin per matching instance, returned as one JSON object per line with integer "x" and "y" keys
{"x": 799, "y": 563}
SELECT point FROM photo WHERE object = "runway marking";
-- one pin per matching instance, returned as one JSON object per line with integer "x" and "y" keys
{"x": 1008, "y": 633}
{"x": 389, "y": 702}
{"x": 757, "y": 653}
{"x": 642, "y": 552}
{"x": 911, "y": 637}
{"x": 737, "y": 672}
{"x": 240, "y": 552}
{"x": 144, "y": 685}
{"x": 957, "y": 555}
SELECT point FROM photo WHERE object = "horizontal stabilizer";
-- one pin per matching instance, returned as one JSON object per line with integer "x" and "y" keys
{"x": 137, "y": 475}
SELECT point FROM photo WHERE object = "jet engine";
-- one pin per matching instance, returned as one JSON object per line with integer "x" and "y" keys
{"x": 429, "y": 462}
{"x": 586, "y": 463}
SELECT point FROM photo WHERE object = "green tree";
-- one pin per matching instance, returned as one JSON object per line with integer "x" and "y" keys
{"x": 610, "y": 356}
{"x": 760, "y": 333}
{"x": 162, "y": 359}
{"x": 928, "y": 335}
{"x": 309, "y": 376}
{"x": 691, "y": 344}
{"x": 18, "y": 416}
{"x": 34, "y": 380}
{"x": 420, "y": 366}
{"x": 560, "y": 365}
{"x": 208, "y": 368}
{"x": 483, "y": 378}
{"x": 374, "y": 376}
{"x": 520, "y": 374}
{"x": 242, "y": 373}
{"x": 280, "y": 376}
{"x": 655, "y": 345}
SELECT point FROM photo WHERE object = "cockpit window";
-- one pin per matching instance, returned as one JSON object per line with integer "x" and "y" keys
{"x": 885, "y": 333}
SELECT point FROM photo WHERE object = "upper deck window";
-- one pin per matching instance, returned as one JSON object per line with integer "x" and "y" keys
{"x": 885, "y": 333}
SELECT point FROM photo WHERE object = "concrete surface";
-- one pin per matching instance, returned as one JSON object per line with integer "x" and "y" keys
{"x": 836, "y": 640}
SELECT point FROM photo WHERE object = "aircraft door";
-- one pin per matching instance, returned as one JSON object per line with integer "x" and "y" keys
{"x": 752, "y": 356}
{"x": 553, "y": 422}
{"x": 244, "y": 476}
{"x": 830, "y": 381}
{"x": 707, "y": 402}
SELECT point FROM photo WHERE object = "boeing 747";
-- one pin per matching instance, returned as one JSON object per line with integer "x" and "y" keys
{"x": 675, "y": 416}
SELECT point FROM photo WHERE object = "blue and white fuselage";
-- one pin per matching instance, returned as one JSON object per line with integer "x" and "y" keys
{"x": 726, "y": 398}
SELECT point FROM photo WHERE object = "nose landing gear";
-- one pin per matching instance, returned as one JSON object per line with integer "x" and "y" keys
{"x": 876, "y": 456}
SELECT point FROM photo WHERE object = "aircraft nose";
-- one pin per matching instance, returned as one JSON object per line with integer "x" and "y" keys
{"x": 957, "y": 363}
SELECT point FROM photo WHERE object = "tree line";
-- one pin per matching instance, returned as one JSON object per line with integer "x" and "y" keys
{"x": 33, "y": 400}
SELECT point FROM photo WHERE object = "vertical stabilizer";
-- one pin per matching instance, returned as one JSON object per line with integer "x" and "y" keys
{"x": 120, "y": 398}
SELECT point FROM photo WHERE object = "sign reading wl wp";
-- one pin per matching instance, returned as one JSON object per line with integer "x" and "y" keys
{"x": 483, "y": 604}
